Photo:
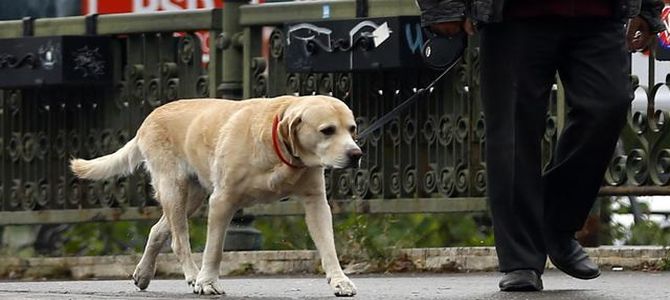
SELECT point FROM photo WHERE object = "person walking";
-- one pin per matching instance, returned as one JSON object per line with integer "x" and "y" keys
{"x": 523, "y": 45}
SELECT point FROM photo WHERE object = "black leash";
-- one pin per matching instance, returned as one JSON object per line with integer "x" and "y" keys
{"x": 448, "y": 55}
{"x": 402, "y": 106}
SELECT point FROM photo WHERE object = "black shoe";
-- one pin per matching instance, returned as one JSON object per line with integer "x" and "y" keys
{"x": 569, "y": 256}
{"x": 521, "y": 281}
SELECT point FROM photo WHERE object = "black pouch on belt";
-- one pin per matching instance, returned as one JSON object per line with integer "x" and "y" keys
{"x": 440, "y": 52}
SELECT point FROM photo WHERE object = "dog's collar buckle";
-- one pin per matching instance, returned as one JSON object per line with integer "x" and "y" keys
{"x": 276, "y": 146}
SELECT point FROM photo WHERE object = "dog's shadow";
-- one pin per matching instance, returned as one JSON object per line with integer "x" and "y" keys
{"x": 181, "y": 295}
{"x": 175, "y": 295}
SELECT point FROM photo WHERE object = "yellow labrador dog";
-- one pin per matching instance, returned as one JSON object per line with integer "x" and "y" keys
{"x": 239, "y": 153}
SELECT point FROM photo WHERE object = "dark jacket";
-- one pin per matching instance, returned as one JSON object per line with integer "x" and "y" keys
{"x": 485, "y": 11}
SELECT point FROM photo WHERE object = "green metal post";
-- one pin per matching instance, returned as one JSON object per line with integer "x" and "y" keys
{"x": 231, "y": 83}
{"x": 215, "y": 56}
{"x": 235, "y": 44}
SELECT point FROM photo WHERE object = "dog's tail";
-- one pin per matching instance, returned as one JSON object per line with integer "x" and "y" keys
{"x": 122, "y": 162}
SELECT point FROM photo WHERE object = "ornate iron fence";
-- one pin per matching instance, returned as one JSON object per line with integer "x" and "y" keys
{"x": 156, "y": 59}
{"x": 641, "y": 165}
{"x": 429, "y": 159}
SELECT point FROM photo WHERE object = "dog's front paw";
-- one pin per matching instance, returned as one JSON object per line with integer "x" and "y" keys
{"x": 343, "y": 287}
{"x": 190, "y": 279}
{"x": 190, "y": 282}
{"x": 141, "y": 278}
{"x": 208, "y": 287}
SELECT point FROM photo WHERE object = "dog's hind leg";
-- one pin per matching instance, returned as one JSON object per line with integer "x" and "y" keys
{"x": 173, "y": 193}
{"x": 221, "y": 211}
{"x": 160, "y": 232}
{"x": 146, "y": 268}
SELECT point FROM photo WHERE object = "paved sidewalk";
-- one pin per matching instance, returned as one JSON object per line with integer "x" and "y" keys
{"x": 611, "y": 285}
{"x": 464, "y": 259}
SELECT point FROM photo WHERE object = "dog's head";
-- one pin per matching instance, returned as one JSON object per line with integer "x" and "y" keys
{"x": 320, "y": 130}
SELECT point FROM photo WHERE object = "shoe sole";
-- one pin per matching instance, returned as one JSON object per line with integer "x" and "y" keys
{"x": 573, "y": 275}
{"x": 522, "y": 288}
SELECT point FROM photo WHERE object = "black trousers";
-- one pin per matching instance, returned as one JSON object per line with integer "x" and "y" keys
{"x": 519, "y": 62}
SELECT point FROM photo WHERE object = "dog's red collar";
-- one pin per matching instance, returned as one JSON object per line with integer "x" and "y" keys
{"x": 275, "y": 143}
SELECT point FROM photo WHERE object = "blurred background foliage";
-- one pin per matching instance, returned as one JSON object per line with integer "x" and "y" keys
{"x": 648, "y": 228}
{"x": 359, "y": 237}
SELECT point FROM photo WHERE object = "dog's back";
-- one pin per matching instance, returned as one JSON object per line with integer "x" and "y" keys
{"x": 186, "y": 131}
{"x": 164, "y": 128}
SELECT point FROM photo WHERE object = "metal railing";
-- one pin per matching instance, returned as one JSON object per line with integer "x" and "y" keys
{"x": 429, "y": 159}
{"x": 157, "y": 58}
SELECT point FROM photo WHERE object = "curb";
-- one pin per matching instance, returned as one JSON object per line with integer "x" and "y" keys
{"x": 453, "y": 259}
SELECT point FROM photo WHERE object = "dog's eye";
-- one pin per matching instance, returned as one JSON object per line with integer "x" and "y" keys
{"x": 330, "y": 130}
{"x": 352, "y": 129}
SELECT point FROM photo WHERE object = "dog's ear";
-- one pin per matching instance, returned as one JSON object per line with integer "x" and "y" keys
{"x": 289, "y": 123}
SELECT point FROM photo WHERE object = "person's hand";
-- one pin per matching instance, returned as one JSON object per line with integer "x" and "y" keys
{"x": 453, "y": 27}
{"x": 638, "y": 34}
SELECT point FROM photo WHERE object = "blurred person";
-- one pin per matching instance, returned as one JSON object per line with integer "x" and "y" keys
{"x": 523, "y": 44}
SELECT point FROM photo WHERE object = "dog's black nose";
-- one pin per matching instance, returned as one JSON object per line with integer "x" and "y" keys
{"x": 354, "y": 156}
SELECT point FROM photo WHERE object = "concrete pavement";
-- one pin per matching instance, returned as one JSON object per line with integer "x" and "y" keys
{"x": 420, "y": 260}
{"x": 478, "y": 285}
